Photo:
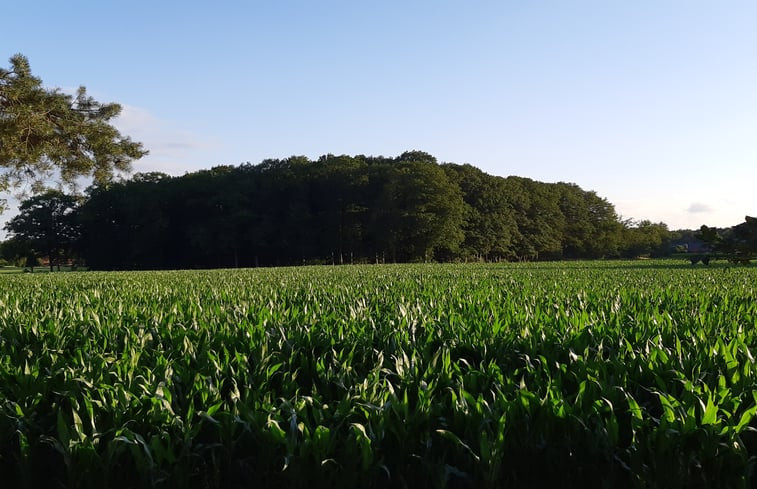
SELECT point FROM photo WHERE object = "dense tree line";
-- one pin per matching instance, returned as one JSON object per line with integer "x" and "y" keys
{"x": 344, "y": 209}
{"x": 738, "y": 244}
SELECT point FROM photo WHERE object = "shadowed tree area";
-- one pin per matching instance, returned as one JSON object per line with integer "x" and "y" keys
{"x": 738, "y": 244}
{"x": 340, "y": 209}
{"x": 46, "y": 226}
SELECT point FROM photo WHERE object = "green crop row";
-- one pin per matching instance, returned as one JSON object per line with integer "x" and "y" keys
{"x": 616, "y": 374}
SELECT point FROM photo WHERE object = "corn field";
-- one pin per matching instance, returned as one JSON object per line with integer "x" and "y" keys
{"x": 590, "y": 374}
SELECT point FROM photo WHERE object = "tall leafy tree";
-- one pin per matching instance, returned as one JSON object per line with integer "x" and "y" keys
{"x": 738, "y": 243}
{"x": 44, "y": 132}
{"x": 745, "y": 235}
{"x": 489, "y": 223}
{"x": 541, "y": 223}
{"x": 47, "y": 222}
{"x": 420, "y": 212}
{"x": 337, "y": 200}
{"x": 18, "y": 252}
{"x": 592, "y": 229}
{"x": 645, "y": 238}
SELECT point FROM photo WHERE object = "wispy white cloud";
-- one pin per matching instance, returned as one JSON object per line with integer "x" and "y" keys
{"x": 698, "y": 208}
{"x": 173, "y": 149}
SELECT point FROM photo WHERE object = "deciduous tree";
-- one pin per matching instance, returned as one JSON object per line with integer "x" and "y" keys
{"x": 47, "y": 223}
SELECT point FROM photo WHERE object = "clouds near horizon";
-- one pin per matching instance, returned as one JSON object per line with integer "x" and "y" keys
{"x": 698, "y": 208}
{"x": 172, "y": 148}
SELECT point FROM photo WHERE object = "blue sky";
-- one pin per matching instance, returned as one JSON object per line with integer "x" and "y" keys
{"x": 652, "y": 104}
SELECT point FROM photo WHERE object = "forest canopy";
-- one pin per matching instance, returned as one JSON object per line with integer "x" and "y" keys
{"x": 347, "y": 209}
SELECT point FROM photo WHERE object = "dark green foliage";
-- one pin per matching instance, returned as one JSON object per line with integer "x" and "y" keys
{"x": 646, "y": 238}
{"x": 341, "y": 209}
{"x": 46, "y": 223}
{"x": 419, "y": 212}
{"x": 738, "y": 244}
{"x": 592, "y": 228}
{"x": 489, "y": 225}
{"x": 17, "y": 252}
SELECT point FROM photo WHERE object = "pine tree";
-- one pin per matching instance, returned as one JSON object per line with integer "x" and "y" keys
{"x": 45, "y": 133}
